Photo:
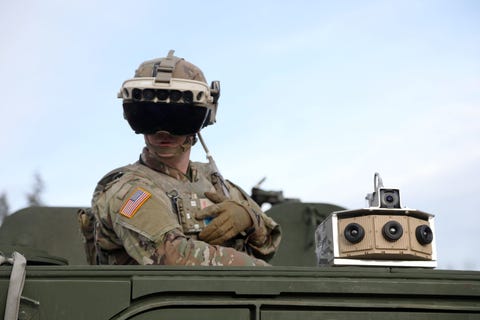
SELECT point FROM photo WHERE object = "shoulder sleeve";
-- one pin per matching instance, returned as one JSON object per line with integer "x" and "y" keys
{"x": 140, "y": 216}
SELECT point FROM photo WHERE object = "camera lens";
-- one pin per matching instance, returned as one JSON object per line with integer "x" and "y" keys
{"x": 137, "y": 94}
{"x": 175, "y": 95}
{"x": 162, "y": 94}
{"x": 389, "y": 198}
{"x": 148, "y": 94}
{"x": 392, "y": 231}
{"x": 424, "y": 234}
{"x": 354, "y": 232}
{"x": 188, "y": 96}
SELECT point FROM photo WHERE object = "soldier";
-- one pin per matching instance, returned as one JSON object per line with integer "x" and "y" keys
{"x": 165, "y": 209}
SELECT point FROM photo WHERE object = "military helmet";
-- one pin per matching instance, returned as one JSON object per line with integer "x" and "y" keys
{"x": 169, "y": 94}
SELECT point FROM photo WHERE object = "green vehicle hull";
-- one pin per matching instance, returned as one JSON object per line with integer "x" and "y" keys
{"x": 60, "y": 285}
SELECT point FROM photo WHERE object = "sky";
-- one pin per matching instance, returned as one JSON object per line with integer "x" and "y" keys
{"x": 316, "y": 96}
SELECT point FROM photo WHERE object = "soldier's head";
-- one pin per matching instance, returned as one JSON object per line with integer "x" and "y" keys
{"x": 170, "y": 95}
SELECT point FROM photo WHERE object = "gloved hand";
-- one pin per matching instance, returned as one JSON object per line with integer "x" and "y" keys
{"x": 230, "y": 218}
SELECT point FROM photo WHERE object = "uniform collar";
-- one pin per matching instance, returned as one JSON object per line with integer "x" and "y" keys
{"x": 153, "y": 162}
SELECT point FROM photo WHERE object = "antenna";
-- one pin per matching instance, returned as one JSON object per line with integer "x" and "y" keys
{"x": 217, "y": 178}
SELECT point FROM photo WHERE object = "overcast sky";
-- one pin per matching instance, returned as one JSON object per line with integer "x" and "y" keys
{"x": 316, "y": 95}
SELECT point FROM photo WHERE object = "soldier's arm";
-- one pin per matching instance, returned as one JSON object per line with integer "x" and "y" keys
{"x": 150, "y": 233}
{"x": 178, "y": 250}
{"x": 173, "y": 248}
{"x": 265, "y": 240}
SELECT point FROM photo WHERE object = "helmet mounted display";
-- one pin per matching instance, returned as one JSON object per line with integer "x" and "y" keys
{"x": 169, "y": 94}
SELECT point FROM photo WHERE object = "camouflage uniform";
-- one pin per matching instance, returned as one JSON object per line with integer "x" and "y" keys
{"x": 140, "y": 214}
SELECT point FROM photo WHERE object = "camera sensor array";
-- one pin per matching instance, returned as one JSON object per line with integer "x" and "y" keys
{"x": 377, "y": 236}
{"x": 384, "y": 234}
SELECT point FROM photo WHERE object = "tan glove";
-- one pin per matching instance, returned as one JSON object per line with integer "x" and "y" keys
{"x": 230, "y": 218}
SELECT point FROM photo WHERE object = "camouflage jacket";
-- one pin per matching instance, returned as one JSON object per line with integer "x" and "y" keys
{"x": 146, "y": 216}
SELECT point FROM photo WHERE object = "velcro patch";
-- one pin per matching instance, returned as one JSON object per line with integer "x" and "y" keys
{"x": 204, "y": 202}
{"x": 134, "y": 202}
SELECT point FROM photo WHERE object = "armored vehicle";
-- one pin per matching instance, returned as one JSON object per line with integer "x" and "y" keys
{"x": 321, "y": 271}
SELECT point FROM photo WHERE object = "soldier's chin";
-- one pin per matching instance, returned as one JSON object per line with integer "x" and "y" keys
{"x": 167, "y": 152}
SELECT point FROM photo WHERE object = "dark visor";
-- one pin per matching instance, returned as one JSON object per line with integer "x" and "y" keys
{"x": 178, "y": 119}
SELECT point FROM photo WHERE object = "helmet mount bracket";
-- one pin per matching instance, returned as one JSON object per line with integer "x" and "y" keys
{"x": 162, "y": 70}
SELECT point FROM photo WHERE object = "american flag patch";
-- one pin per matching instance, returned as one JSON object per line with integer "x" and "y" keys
{"x": 136, "y": 200}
